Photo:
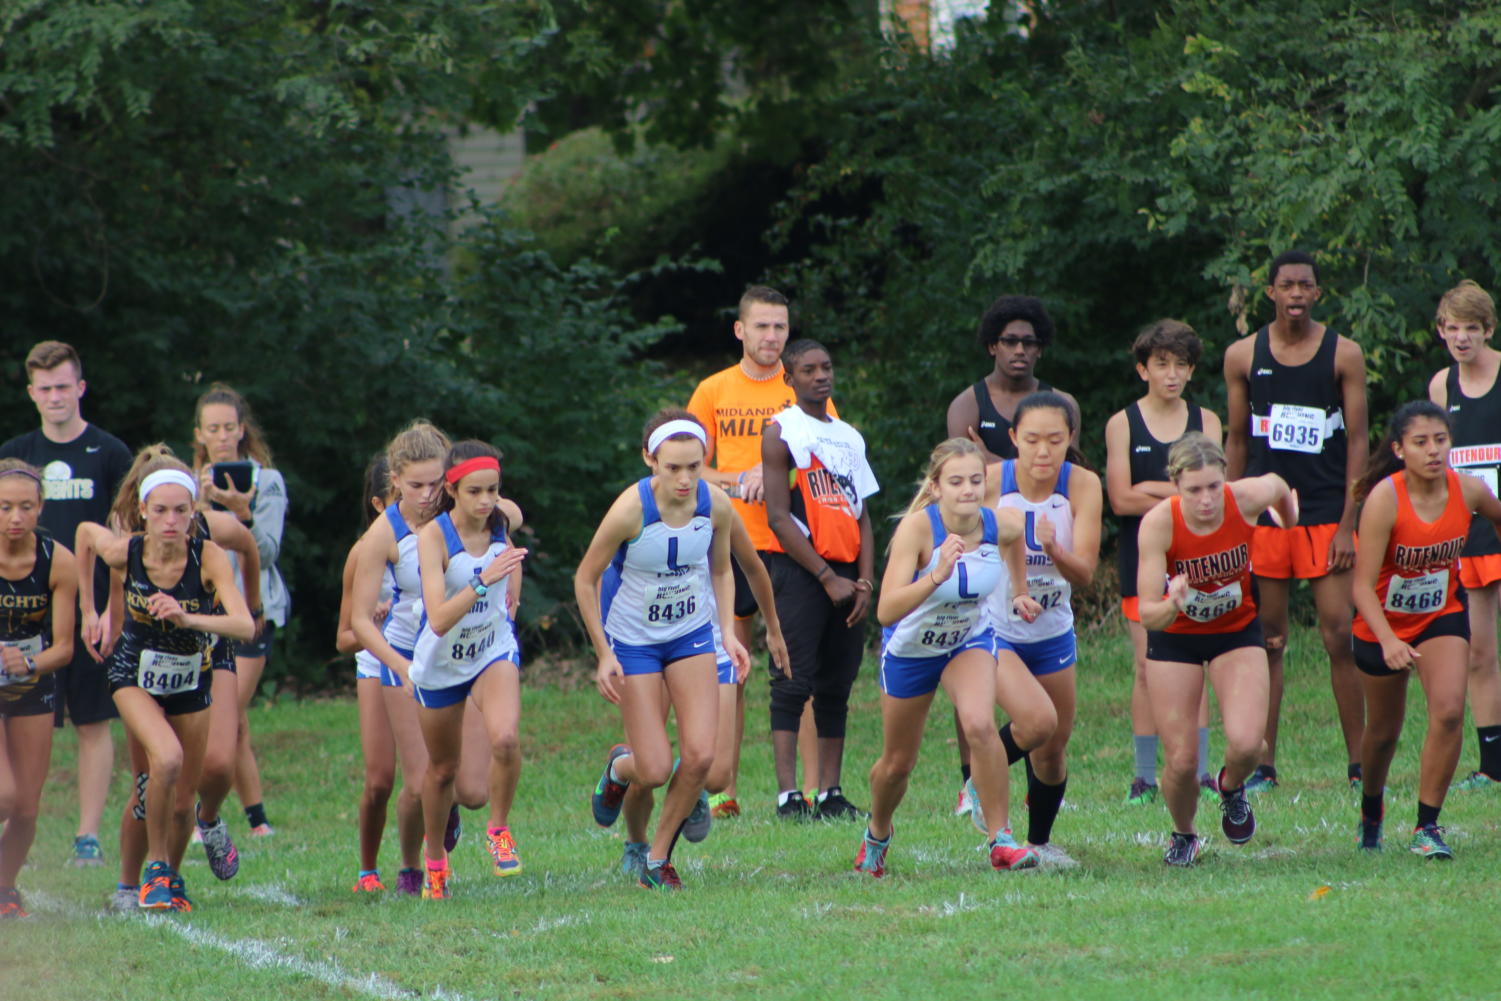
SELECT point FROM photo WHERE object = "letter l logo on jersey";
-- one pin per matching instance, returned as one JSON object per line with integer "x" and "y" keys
{"x": 964, "y": 591}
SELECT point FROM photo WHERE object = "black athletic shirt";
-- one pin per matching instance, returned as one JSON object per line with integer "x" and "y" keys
{"x": 1319, "y": 476}
{"x": 142, "y": 632}
{"x": 1148, "y": 463}
{"x": 995, "y": 430}
{"x": 1476, "y": 428}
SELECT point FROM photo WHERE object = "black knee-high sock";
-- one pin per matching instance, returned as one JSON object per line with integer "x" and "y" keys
{"x": 1014, "y": 752}
{"x": 1043, "y": 803}
{"x": 1489, "y": 738}
{"x": 963, "y": 773}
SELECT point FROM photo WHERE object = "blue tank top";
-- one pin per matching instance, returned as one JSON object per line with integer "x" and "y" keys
{"x": 655, "y": 588}
{"x": 956, "y": 608}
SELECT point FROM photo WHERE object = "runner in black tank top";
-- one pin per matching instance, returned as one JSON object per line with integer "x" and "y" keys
{"x": 161, "y": 668}
{"x": 1166, "y": 353}
{"x": 994, "y": 429}
{"x": 37, "y": 598}
{"x": 1466, "y": 320}
{"x": 1298, "y": 428}
{"x": 1296, "y": 406}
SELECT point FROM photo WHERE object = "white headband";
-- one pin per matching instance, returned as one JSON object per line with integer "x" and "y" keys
{"x": 164, "y": 476}
{"x": 671, "y": 428}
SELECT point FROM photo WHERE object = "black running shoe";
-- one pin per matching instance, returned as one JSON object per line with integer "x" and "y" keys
{"x": 1183, "y": 850}
{"x": 796, "y": 807}
{"x": 1238, "y": 822}
{"x": 835, "y": 807}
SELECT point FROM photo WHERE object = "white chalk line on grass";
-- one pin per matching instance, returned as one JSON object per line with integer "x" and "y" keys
{"x": 258, "y": 954}
{"x": 263, "y": 955}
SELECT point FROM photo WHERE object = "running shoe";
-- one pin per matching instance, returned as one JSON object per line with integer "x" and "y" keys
{"x": 834, "y": 806}
{"x": 435, "y": 886}
{"x": 1183, "y": 850}
{"x": 1236, "y": 820}
{"x": 633, "y": 859}
{"x": 609, "y": 794}
{"x": 1050, "y": 856}
{"x": 722, "y": 807}
{"x": 1476, "y": 781}
{"x": 796, "y": 807}
{"x": 10, "y": 903}
{"x": 262, "y": 831}
{"x": 409, "y": 882}
{"x": 453, "y": 829}
{"x": 156, "y": 888}
{"x": 976, "y": 813}
{"x": 696, "y": 827}
{"x": 1209, "y": 786}
{"x": 1142, "y": 792}
{"x": 503, "y": 853}
{"x": 963, "y": 805}
{"x": 872, "y": 855}
{"x": 369, "y": 883}
{"x": 125, "y": 899}
{"x": 1428, "y": 841}
{"x": 86, "y": 852}
{"x": 1007, "y": 855}
{"x": 1260, "y": 781}
{"x": 223, "y": 859}
{"x": 661, "y": 876}
{"x": 1370, "y": 834}
{"x": 180, "y": 901}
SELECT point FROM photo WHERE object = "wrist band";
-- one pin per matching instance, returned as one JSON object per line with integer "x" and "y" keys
{"x": 826, "y": 569}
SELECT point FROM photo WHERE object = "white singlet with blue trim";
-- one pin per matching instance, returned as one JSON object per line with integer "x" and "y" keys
{"x": 367, "y": 664}
{"x": 1044, "y": 582}
{"x": 400, "y": 628}
{"x": 657, "y": 591}
{"x": 956, "y": 608}
{"x": 483, "y": 636}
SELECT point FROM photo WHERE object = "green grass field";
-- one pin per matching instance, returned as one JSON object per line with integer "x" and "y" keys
{"x": 774, "y": 911}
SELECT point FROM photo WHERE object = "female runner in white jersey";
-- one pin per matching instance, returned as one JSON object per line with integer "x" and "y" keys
{"x": 377, "y": 743}
{"x": 172, "y": 580}
{"x": 1060, "y": 502}
{"x": 219, "y": 755}
{"x": 669, "y": 537}
{"x": 38, "y": 581}
{"x": 945, "y": 560}
{"x": 467, "y": 651}
{"x": 416, "y": 458}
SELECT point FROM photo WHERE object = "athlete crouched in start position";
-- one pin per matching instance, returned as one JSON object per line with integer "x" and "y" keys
{"x": 1410, "y": 611}
{"x": 1200, "y": 543}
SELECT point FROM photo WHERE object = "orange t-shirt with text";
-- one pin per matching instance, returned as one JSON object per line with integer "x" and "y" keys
{"x": 735, "y": 408}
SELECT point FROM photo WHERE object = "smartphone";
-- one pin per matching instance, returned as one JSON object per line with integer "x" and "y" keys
{"x": 240, "y": 474}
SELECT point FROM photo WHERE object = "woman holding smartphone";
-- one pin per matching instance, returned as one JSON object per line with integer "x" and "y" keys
{"x": 233, "y": 465}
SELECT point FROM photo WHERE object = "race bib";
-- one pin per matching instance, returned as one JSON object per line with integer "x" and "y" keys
{"x": 162, "y": 673}
{"x": 1296, "y": 429}
{"x": 670, "y": 602}
{"x": 471, "y": 643}
{"x": 1046, "y": 591}
{"x": 30, "y": 646}
{"x": 945, "y": 631}
{"x": 1206, "y": 606}
{"x": 1417, "y": 595}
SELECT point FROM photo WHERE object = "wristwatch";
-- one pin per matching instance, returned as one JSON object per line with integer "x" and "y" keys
{"x": 479, "y": 586}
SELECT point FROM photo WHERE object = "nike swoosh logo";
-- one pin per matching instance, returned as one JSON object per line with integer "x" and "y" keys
{"x": 1491, "y": 739}
{"x": 698, "y": 528}
{"x": 697, "y": 645}
{"x": 1064, "y": 661}
{"x": 91, "y": 449}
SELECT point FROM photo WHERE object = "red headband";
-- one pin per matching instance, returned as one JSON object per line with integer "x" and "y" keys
{"x": 473, "y": 465}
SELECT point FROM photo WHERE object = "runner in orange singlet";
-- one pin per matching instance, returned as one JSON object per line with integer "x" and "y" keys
{"x": 1409, "y": 611}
